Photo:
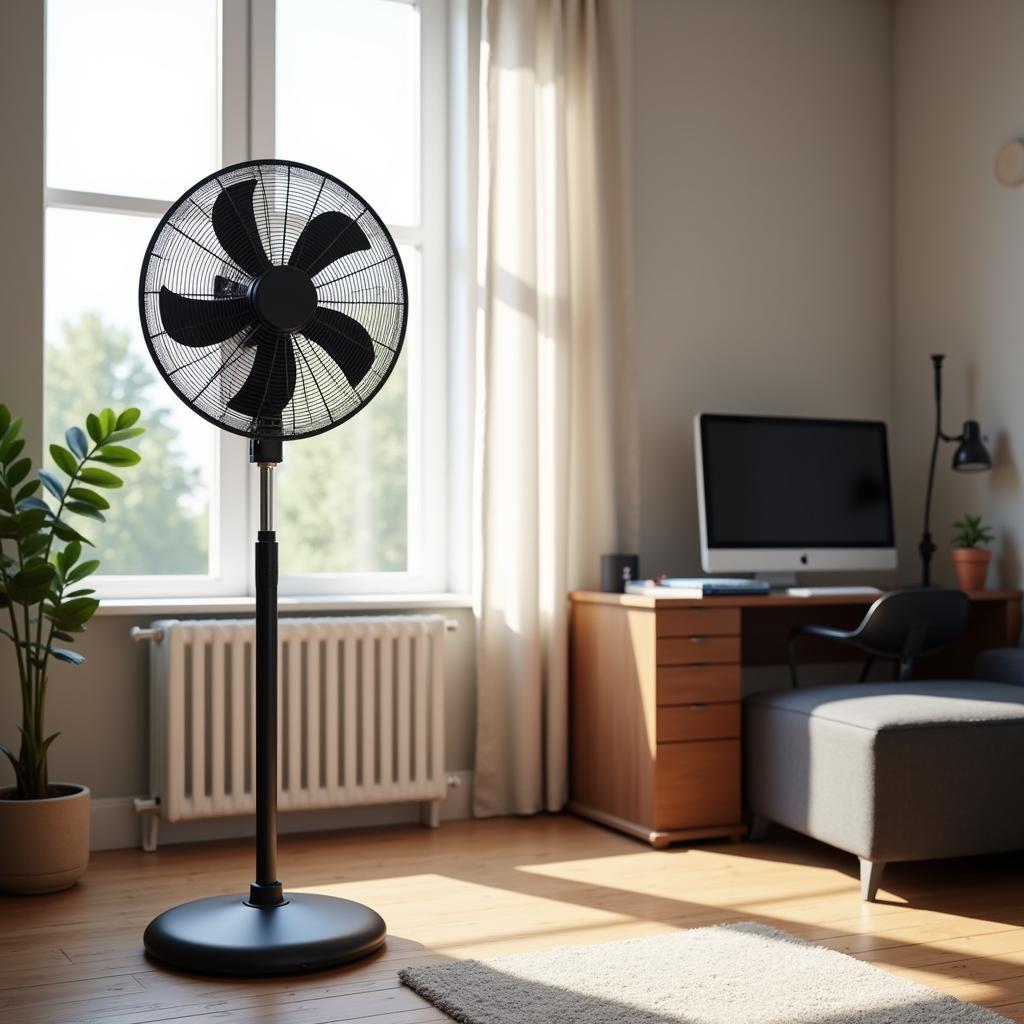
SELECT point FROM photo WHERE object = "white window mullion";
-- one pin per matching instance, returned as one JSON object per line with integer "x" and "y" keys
{"x": 232, "y": 520}
{"x": 262, "y": 77}
{"x": 429, "y": 398}
{"x": 69, "y": 199}
{"x": 234, "y": 81}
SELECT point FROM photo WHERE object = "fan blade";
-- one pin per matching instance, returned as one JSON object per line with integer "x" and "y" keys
{"x": 345, "y": 340}
{"x": 200, "y": 322}
{"x": 271, "y": 381}
{"x": 325, "y": 239}
{"x": 234, "y": 224}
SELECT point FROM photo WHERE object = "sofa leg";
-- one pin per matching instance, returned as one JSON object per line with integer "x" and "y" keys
{"x": 870, "y": 877}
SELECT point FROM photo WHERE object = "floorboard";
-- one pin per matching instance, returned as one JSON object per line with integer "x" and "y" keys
{"x": 489, "y": 887}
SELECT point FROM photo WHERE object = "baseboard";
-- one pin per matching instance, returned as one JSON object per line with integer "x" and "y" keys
{"x": 115, "y": 824}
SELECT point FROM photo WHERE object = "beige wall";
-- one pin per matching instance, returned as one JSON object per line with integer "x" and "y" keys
{"x": 21, "y": 257}
{"x": 959, "y": 270}
{"x": 762, "y": 228}
{"x": 21, "y": 178}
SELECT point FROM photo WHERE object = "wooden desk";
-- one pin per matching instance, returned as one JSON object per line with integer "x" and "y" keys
{"x": 656, "y": 689}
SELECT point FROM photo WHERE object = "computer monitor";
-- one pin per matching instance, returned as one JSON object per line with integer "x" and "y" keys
{"x": 784, "y": 494}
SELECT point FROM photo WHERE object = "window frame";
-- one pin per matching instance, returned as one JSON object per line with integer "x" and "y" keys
{"x": 246, "y": 118}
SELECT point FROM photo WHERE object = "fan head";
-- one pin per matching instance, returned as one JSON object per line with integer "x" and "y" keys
{"x": 273, "y": 300}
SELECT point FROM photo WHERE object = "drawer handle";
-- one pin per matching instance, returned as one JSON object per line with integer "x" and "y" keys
{"x": 697, "y": 639}
{"x": 699, "y": 707}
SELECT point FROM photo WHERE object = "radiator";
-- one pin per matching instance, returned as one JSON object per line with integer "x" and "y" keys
{"x": 361, "y": 715}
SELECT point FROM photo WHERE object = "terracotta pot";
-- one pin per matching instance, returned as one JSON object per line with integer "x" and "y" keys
{"x": 46, "y": 842}
{"x": 971, "y": 565}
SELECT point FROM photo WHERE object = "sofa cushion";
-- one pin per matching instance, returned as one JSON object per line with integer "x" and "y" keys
{"x": 909, "y": 705}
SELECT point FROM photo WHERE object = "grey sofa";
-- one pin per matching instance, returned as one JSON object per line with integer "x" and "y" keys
{"x": 1001, "y": 665}
{"x": 891, "y": 771}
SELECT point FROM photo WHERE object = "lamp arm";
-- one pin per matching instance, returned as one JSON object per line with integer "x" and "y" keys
{"x": 927, "y": 546}
{"x": 931, "y": 484}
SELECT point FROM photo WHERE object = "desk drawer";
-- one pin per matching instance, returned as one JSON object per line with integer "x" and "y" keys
{"x": 697, "y": 784}
{"x": 698, "y": 621}
{"x": 698, "y": 650}
{"x": 698, "y": 722}
{"x": 693, "y": 684}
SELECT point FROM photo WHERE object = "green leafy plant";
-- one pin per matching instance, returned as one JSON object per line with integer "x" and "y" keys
{"x": 971, "y": 532}
{"x": 41, "y": 564}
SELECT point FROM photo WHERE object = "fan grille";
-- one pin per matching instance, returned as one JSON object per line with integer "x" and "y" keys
{"x": 248, "y": 376}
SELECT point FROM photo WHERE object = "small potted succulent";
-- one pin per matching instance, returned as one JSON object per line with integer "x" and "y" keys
{"x": 43, "y": 569}
{"x": 971, "y": 556}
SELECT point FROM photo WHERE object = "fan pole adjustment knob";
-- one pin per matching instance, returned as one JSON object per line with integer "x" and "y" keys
{"x": 284, "y": 298}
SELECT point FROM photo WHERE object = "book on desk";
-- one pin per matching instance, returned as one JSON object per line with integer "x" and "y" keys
{"x": 697, "y": 586}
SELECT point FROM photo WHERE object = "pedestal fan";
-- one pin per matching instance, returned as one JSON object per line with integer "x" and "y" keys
{"x": 274, "y": 304}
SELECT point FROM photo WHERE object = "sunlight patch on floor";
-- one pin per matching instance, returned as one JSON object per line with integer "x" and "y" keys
{"x": 717, "y": 874}
{"x": 466, "y": 916}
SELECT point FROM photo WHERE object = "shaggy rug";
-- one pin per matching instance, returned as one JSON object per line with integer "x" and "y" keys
{"x": 729, "y": 974}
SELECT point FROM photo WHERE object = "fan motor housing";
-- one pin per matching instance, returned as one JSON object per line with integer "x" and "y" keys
{"x": 284, "y": 298}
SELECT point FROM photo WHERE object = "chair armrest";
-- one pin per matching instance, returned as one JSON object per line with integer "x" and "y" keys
{"x": 827, "y": 632}
{"x": 1001, "y": 665}
{"x": 802, "y": 629}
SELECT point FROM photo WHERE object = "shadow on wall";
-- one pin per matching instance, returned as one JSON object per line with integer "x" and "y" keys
{"x": 1006, "y": 487}
{"x": 1008, "y": 563}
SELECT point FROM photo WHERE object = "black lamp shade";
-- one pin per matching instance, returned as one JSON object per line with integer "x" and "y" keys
{"x": 971, "y": 456}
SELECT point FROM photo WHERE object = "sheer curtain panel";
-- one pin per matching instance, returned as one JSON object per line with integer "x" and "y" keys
{"x": 555, "y": 421}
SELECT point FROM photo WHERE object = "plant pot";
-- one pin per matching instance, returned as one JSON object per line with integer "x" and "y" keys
{"x": 971, "y": 565}
{"x": 45, "y": 843}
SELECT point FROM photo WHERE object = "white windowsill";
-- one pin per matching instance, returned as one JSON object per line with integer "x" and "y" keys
{"x": 286, "y": 604}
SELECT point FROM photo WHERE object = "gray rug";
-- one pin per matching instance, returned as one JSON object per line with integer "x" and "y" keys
{"x": 730, "y": 974}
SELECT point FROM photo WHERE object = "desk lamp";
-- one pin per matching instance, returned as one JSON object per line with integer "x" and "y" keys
{"x": 971, "y": 456}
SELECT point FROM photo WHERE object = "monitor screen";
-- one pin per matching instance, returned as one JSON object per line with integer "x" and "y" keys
{"x": 795, "y": 483}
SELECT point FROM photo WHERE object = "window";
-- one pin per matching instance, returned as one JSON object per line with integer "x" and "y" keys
{"x": 353, "y": 86}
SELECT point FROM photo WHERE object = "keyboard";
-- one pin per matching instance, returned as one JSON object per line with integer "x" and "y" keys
{"x": 832, "y": 591}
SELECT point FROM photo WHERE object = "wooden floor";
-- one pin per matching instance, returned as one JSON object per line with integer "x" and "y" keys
{"x": 480, "y": 888}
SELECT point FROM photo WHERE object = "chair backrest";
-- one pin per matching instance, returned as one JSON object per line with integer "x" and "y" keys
{"x": 906, "y": 624}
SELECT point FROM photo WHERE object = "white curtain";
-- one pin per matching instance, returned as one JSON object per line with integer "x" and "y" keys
{"x": 555, "y": 423}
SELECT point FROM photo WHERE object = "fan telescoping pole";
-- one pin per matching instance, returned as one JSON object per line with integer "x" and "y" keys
{"x": 266, "y": 891}
{"x": 269, "y": 932}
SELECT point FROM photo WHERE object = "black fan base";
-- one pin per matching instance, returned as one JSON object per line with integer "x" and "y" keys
{"x": 225, "y": 935}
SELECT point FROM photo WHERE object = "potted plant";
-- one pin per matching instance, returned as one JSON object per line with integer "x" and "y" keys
{"x": 970, "y": 555}
{"x": 44, "y": 824}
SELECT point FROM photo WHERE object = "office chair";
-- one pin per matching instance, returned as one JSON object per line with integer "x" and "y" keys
{"x": 901, "y": 625}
